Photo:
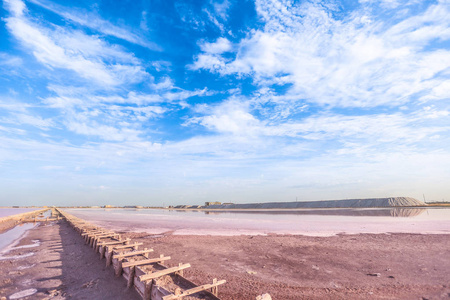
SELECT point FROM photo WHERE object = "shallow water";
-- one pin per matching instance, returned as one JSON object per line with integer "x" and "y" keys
{"x": 324, "y": 222}
{"x": 9, "y": 237}
{"x": 4, "y": 212}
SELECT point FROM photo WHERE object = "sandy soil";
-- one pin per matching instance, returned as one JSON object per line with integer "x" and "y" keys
{"x": 62, "y": 267}
{"x": 383, "y": 266}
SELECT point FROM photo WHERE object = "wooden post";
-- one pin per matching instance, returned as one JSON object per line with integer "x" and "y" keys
{"x": 180, "y": 272}
{"x": 148, "y": 289}
{"x": 109, "y": 255}
{"x": 102, "y": 251}
{"x": 118, "y": 268}
{"x": 215, "y": 289}
{"x": 131, "y": 277}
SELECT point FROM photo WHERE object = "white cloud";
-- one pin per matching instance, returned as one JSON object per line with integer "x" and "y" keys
{"x": 107, "y": 133}
{"x": 217, "y": 13}
{"x": 348, "y": 63}
{"x": 101, "y": 132}
{"x": 230, "y": 117}
{"x": 220, "y": 46}
{"x": 181, "y": 94}
{"x": 36, "y": 121}
{"x": 94, "y": 21}
{"x": 73, "y": 50}
{"x": 362, "y": 134}
{"x": 14, "y": 131}
{"x": 7, "y": 60}
{"x": 16, "y": 7}
{"x": 221, "y": 8}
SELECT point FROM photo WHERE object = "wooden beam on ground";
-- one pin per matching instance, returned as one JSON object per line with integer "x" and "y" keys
{"x": 96, "y": 235}
{"x": 91, "y": 232}
{"x": 97, "y": 240}
{"x": 145, "y": 261}
{"x": 167, "y": 271}
{"x": 133, "y": 253}
{"x": 194, "y": 290}
{"x": 127, "y": 246}
{"x": 101, "y": 236}
{"x": 111, "y": 243}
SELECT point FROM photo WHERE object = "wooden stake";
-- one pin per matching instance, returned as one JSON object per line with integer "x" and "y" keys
{"x": 131, "y": 277}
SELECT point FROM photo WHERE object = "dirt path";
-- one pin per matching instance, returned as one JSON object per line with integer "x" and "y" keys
{"x": 61, "y": 267}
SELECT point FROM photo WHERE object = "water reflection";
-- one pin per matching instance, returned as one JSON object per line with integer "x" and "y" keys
{"x": 375, "y": 212}
{"x": 13, "y": 234}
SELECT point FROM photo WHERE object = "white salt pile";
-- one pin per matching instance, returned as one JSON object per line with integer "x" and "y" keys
{"x": 351, "y": 203}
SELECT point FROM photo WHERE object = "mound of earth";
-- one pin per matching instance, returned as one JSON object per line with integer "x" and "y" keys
{"x": 349, "y": 203}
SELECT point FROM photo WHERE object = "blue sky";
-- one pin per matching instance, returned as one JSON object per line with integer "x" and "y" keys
{"x": 181, "y": 102}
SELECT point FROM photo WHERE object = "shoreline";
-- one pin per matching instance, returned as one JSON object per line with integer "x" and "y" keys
{"x": 433, "y": 221}
{"x": 9, "y": 222}
{"x": 392, "y": 266}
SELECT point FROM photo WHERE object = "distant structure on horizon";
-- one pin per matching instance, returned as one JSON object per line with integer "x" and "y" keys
{"x": 213, "y": 203}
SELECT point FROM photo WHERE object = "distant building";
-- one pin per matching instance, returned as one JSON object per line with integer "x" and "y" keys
{"x": 212, "y": 203}
{"x": 107, "y": 206}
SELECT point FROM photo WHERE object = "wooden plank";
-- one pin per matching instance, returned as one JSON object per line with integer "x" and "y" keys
{"x": 163, "y": 272}
{"x": 145, "y": 261}
{"x": 127, "y": 246}
{"x": 93, "y": 231}
{"x": 111, "y": 243}
{"x": 133, "y": 253}
{"x": 100, "y": 234}
{"x": 98, "y": 239}
{"x": 194, "y": 290}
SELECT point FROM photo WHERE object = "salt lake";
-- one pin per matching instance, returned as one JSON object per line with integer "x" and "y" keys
{"x": 314, "y": 222}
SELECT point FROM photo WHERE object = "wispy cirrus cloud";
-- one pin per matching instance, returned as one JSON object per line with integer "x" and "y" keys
{"x": 87, "y": 56}
{"x": 263, "y": 102}
{"x": 27, "y": 119}
{"x": 7, "y": 60}
{"x": 93, "y": 21}
{"x": 357, "y": 61}
{"x": 404, "y": 128}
